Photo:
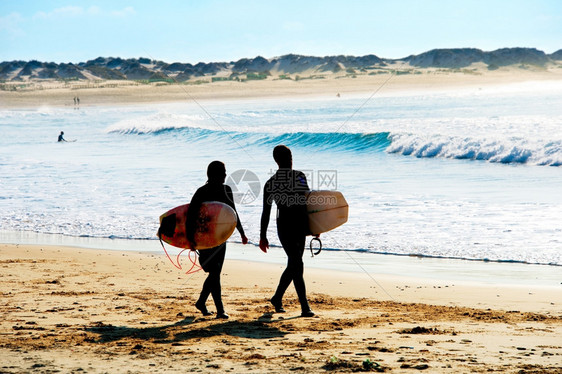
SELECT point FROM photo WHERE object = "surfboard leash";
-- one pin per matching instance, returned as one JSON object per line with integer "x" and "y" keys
{"x": 193, "y": 260}
{"x": 320, "y": 246}
{"x": 177, "y": 264}
{"x": 166, "y": 252}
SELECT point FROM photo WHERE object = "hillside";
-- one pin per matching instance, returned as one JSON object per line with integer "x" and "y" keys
{"x": 115, "y": 68}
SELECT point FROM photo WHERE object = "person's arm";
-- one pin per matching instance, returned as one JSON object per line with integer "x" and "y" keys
{"x": 191, "y": 218}
{"x": 266, "y": 212}
{"x": 230, "y": 200}
{"x": 305, "y": 190}
{"x": 302, "y": 183}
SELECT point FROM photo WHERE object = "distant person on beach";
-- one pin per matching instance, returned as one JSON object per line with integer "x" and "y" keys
{"x": 211, "y": 259}
{"x": 61, "y": 137}
{"x": 287, "y": 188}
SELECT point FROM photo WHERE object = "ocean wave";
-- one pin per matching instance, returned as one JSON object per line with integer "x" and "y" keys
{"x": 157, "y": 123}
{"x": 342, "y": 141}
{"x": 501, "y": 150}
{"x": 353, "y": 142}
{"x": 492, "y": 148}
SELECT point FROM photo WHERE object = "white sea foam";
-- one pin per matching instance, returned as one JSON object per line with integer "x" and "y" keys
{"x": 423, "y": 174}
{"x": 153, "y": 123}
{"x": 501, "y": 150}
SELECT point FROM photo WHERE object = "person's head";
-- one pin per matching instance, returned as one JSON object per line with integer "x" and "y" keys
{"x": 283, "y": 157}
{"x": 62, "y": 132}
{"x": 216, "y": 172}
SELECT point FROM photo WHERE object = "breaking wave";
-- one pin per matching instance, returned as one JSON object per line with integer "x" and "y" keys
{"x": 505, "y": 151}
{"x": 494, "y": 149}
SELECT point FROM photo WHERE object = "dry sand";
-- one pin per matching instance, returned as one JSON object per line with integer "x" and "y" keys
{"x": 57, "y": 94}
{"x": 84, "y": 310}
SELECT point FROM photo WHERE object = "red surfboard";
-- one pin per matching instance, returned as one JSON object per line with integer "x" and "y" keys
{"x": 215, "y": 223}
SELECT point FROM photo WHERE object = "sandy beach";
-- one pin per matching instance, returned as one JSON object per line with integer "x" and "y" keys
{"x": 91, "y": 93}
{"x": 74, "y": 309}
{"x": 84, "y": 310}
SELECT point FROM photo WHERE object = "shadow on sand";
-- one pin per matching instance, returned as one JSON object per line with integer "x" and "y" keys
{"x": 185, "y": 329}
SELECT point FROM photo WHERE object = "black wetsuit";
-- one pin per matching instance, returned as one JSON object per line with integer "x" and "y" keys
{"x": 211, "y": 259}
{"x": 288, "y": 189}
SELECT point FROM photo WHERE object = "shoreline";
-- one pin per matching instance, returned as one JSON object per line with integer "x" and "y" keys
{"x": 74, "y": 309}
{"x": 477, "y": 271}
{"x": 497, "y": 291}
{"x": 133, "y": 93}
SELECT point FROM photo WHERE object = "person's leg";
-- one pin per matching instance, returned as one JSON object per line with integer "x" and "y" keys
{"x": 215, "y": 288}
{"x": 296, "y": 266}
{"x": 204, "y": 261}
{"x": 211, "y": 260}
{"x": 284, "y": 282}
{"x": 286, "y": 276}
{"x": 205, "y": 292}
{"x": 215, "y": 276}
{"x": 294, "y": 272}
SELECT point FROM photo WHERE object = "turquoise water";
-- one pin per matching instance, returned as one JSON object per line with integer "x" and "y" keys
{"x": 471, "y": 174}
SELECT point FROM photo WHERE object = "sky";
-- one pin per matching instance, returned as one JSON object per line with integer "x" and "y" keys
{"x": 223, "y": 30}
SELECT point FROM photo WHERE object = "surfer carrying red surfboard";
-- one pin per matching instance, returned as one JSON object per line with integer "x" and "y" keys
{"x": 211, "y": 259}
{"x": 287, "y": 188}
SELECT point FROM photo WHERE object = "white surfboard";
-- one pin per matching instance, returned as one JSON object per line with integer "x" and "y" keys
{"x": 326, "y": 210}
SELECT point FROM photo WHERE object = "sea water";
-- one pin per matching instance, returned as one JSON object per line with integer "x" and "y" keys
{"x": 471, "y": 174}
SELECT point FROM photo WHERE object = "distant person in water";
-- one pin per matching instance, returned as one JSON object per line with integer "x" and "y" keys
{"x": 61, "y": 137}
{"x": 211, "y": 259}
{"x": 287, "y": 188}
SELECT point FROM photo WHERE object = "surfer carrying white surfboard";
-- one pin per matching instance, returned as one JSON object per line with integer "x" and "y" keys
{"x": 287, "y": 188}
{"x": 211, "y": 259}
